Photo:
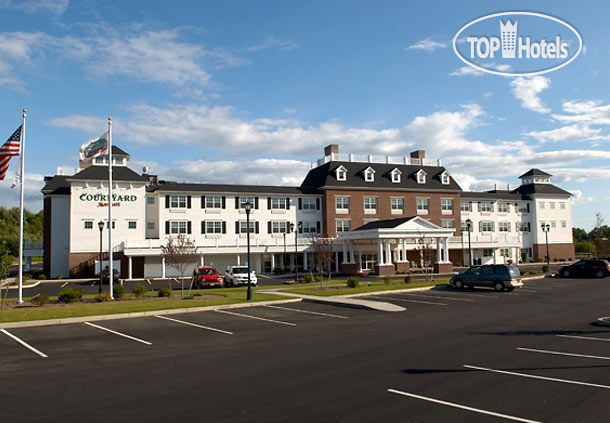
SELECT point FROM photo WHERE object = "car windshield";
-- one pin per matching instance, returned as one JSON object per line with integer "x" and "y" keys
{"x": 514, "y": 271}
{"x": 473, "y": 270}
{"x": 240, "y": 270}
{"x": 207, "y": 271}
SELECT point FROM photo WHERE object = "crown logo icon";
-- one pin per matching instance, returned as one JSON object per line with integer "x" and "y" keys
{"x": 508, "y": 34}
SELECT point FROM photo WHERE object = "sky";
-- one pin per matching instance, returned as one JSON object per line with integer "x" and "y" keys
{"x": 251, "y": 91}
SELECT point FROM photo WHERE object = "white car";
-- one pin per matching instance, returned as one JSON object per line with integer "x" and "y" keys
{"x": 238, "y": 275}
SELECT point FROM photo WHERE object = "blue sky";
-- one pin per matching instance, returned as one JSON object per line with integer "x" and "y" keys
{"x": 250, "y": 91}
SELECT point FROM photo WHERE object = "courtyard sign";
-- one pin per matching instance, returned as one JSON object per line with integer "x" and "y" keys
{"x": 102, "y": 199}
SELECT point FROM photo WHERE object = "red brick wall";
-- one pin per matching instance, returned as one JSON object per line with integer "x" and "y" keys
{"x": 556, "y": 251}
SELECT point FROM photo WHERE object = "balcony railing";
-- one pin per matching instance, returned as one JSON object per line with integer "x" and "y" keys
{"x": 220, "y": 243}
{"x": 487, "y": 239}
{"x": 362, "y": 158}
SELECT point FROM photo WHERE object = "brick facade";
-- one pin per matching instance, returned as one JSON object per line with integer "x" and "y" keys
{"x": 556, "y": 251}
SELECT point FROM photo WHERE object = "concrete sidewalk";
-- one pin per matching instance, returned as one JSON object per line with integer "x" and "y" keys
{"x": 342, "y": 301}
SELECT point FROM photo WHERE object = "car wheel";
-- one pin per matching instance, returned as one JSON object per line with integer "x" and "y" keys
{"x": 498, "y": 286}
{"x": 458, "y": 284}
{"x": 565, "y": 273}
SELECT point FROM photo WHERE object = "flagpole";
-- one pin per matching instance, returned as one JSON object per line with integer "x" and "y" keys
{"x": 22, "y": 151}
{"x": 111, "y": 255}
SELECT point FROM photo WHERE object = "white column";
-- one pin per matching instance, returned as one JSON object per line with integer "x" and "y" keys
{"x": 494, "y": 255}
{"x": 352, "y": 259}
{"x": 388, "y": 252}
{"x": 201, "y": 260}
{"x": 438, "y": 250}
{"x": 305, "y": 264}
{"x": 379, "y": 252}
{"x": 337, "y": 261}
{"x": 272, "y": 262}
{"x": 446, "y": 249}
{"x": 360, "y": 261}
{"x": 163, "y": 267}
{"x": 129, "y": 268}
{"x": 238, "y": 260}
{"x": 344, "y": 246}
{"x": 404, "y": 250}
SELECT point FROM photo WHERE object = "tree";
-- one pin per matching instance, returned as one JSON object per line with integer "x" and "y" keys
{"x": 177, "y": 252}
{"x": 579, "y": 234}
{"x": 425, "y": 253}
{"x": 323, "y": 254}
{"x": 585, "y": 247}
{"x": 5, "y": 267}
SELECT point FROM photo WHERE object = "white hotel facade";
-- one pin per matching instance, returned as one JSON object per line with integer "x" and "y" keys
{"x": 381, "y": 212}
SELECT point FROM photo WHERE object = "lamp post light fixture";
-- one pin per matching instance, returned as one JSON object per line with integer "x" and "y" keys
{"x": 100, "y": 225}
{"x": 248, "y": 208}
{"x": 546, "y": 228}
{"x": 468, "y": 227}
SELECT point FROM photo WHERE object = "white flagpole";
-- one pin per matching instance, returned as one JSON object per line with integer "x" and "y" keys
{"x": 110, "y": 255}
{"x": 22, "y": 154}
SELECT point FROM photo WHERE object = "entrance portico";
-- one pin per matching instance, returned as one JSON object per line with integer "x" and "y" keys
{"x": 391, "y": 240}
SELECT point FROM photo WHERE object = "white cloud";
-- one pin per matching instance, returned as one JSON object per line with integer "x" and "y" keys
{"x": 568, "y": 133}
{"x": 32, "y": 196}
{"x": 579, "y": 197}
{"x": 271, "y": 42}
{"x": 466, "y": 71}
{"x": 527, "y": 90}
{"x": 588, "y": 112}
{"x": 56, "y": 7}
{"x": 428, "y": 44}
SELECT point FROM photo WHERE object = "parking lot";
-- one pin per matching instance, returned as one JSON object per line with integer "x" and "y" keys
{"x": 472, "y": 355}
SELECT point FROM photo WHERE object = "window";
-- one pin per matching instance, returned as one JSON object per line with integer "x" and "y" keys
{"x": 542, "y": 205}
{"x": 244, "y": 200}
{"x": 342, "y": 203}
{"x": 523, "y": 226}
{"x": 342, "y": 225}
{"x": 504, "y": 207}
{"x": 308, "y": 204}
{"x": 488, "y": 252}
{"x": 486, "y": 206}
{"x": 422, "y": 205}
{"x": 177, "y": 201}
{"x": 213, "y": 202}
{"x": 397, "y": 205}
{"x": 553, "y": 224}
{"x": 113, "y": 224}
{"x": 465, "y": 206}
{"x": 243, "y": 227}
{"x": 178, "y": 227}
{"x": 100, "y": 160}
{"x": 88, "y": 224}
{"x": 150, "y": 200}
{"x": 421, "y": 177}
{"x": 279, "y": 227}
{"x": 132, "y": 224}
{"x": 486, "y": 226}
{"x": 150, "y": 226}
{"x": 524, "y": 208}
{"x": 369, "y": 174}
{"x": 213, "y": 226}
{"x": 552, "y": 205}
{"x": 370, "y": 204}
{"x": 309, "y": 227}
{"x": 445, "y": 178}
{"x": 504, "y": 226}
{"x": 341, "y": 173}
{"x": 447, "y": 205}
{"x": 564, "y": 224}
{"x": 448, "y": 223}
{"x": 396, "y": 176}
{"x": 464, "y": 227}
{"x": 562, "y": 206}
{"x": 505, "y": 252}
{"x": 278, "y": 203}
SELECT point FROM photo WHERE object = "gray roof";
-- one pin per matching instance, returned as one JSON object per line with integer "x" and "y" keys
{"x": 541, "y": 189}
{"x": 119, "y": 151}
{"x": 534, "y": 172}
{"x": 100, "y": 173}
{"x": 56, "y": 185}
{"x": 384, "y": 224}
{"x": 324, "y": 176}
{"x": 228, "y": 188}
{"x": 494, "y": 195}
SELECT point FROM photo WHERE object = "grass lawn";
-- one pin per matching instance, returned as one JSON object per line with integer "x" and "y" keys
{"x": 129, "y": 304}
{"x": 364, "y": 287}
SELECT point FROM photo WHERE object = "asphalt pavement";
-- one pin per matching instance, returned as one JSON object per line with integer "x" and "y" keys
{"x": 453, "y": 356}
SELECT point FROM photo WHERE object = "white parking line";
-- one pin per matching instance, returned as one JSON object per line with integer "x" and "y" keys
{"x": 25, "y": 344}
{"x": 307, "y": 312}
{"x": 551, "y": 379}
{"x": 587, "y": 338}
{"x": 407, "y": 301}
{"x": 465, "y": 295}
{"x": 66, "y": 283}
{"x": 528, "y": 290}
{"x": 194, "y": 325}
{"x": 438, "y": 296}
{"x": 463, "y": 407}
{"x": 133, "y": 338}
{"x": 598, "y": 357}
{"x": 256, "y": 318}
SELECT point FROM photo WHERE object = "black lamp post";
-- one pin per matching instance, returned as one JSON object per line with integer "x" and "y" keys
{"x": 100, "y": 225}
{"x": 248, "y": 208}
{"x": 284, "y": 256}
{"x": 289, "y": 229}
{"x": 296, "y": 252}
{"x": 546, "y": 228}
{"x": 469, "y": 226}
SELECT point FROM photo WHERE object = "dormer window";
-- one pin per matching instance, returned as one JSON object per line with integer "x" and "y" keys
{"x": 445, "y": 179}
{"x": 421, "y": 177}
{"x": 341, "y": 173}
{"x": 395, "y": 175}
{"x": 369, "y": 174}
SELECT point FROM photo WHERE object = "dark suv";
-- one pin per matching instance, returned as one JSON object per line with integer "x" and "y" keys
{"x": 496, "y": 276}
{"x": 590, "y": 268}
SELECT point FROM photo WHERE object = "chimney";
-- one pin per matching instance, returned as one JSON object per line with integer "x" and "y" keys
{"x": 418, "y": 154}
{"x": 331, "y": 149}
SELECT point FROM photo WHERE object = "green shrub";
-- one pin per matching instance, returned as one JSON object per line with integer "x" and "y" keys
{"x": 60, "y": 276}
{"x": 353, "y": 282}
{"x": 118, "y": 291}
{"x": 70, "y": 295}
{"x": 164, "y": 292}
{"x": 387, "y": 280}
{"x": 42, "y": 277}
{"x": 308, "y": 278}
{"x": 139, "y": 290}
{"x": 546, "y": 268}
{"x": 318, "y": 278}
{"x": 39, "y": 300}
{"x": 101, "y": 298}
{"x": 27, "y": 276}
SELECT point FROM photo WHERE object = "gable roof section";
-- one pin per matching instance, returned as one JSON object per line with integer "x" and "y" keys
{"x": 100, "y": 173}
{"x": 529, "y": 189}
{"x": 119, "y": 151}
{"x": 385, "y": 224}
{"x": 228, "y": 188}
{"x": 56, "y": 185}
{"x": 534, "y": 172}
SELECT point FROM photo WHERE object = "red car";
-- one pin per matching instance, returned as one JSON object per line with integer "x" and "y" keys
{"x": 205, "y": 276}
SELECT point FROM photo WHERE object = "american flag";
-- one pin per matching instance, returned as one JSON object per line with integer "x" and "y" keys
{"x": 12, "y": 147}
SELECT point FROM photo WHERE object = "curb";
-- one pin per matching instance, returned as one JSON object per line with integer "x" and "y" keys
{"x": 603, "y": 321}
{"x": 533, "y": 278}
{"x": 68, "y": 320}
{"x": 341, "y": 300}
{"x": 394, "y": 291}
{"x": 32, "y": 285}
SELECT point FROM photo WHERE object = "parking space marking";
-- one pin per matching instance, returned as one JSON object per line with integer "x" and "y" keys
{"x": 465, "y": 295}
{"x": 586, "y": 338}
{"x": 194, "y": 325}
{"x": 65, "y": 283}
{"x": 307, "y": 312}
{"x": 598, "y": 357}
{"x": 133, "y": 338}
{"x": 527, "y": 375}
{"x": 528, "y": 290}
{"x": 407, "y": 300}
{"x": 255, "y": 317}
{"x": 463, "y": 407}
{"x": 25, "y": 344}
{"x": 439, "y": 296}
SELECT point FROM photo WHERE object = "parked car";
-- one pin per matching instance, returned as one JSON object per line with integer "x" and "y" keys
{"x": 497, "y": 276}
{"x": 238, "y": 275}
{"x": 590, "y": 268}
{"x": 205, "y": 276}
{"x": 105, "y": 275}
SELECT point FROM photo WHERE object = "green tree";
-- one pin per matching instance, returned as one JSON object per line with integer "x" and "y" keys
{"x": 9, "y": 228}
{"x": 585, "y": 247}
{"x": 579, "y": 234}
{"x": 5, "y": 267}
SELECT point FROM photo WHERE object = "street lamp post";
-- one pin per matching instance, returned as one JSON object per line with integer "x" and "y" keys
{"x": 248, "y": 208}
{"x": 100, "y": 225}
{"x": 546, "y": 228}
{"x": 469, "y": 226}
{"x": 462, "y": 243}
{"x": 284, "y": 256}
{"x": 296, "y": 252}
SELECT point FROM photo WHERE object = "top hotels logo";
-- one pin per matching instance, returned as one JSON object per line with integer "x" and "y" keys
{"x": 544, "y": 45}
